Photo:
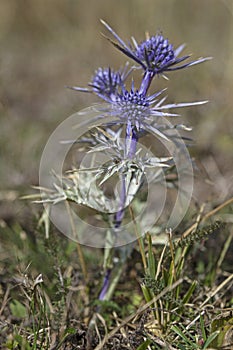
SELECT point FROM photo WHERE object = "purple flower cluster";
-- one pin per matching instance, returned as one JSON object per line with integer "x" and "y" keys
{"x": 156, "y": 52}
{"x": 155, "y": 56}
{"x": 106, "y": 83}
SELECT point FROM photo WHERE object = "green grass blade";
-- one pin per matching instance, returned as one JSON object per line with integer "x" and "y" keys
{"x": 151, "y": 259}
{"x": 189, "y": 293}
{"x": 203, "y": 332}
{"x": 144, "y": 345}
{"x": 181, "y": 334}
{"x": 210, "y": 339}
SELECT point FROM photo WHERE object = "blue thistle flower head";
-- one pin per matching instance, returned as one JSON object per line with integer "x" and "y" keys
{"x": 155, "y": 54}
{"x": 132, "y": 97}
{"x": 132, "y": 106}
{"x": 106, "y": 82}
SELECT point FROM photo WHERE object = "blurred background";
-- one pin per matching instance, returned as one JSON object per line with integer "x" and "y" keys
{"x": 46, "y": 45}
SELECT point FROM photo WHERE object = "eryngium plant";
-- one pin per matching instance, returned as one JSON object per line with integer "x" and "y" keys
{"x": 134, "y": 113}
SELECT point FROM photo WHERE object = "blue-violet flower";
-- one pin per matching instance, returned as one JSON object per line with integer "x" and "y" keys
{"x": 155, "y": 53}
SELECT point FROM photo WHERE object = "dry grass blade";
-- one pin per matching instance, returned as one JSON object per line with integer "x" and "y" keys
{"x": 5, "y": 300}
{"x": 215, "y": 291}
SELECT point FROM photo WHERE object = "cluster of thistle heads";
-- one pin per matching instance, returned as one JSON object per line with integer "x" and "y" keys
{"x": 136, "y": 107}
{"x": 133, "y": 112}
